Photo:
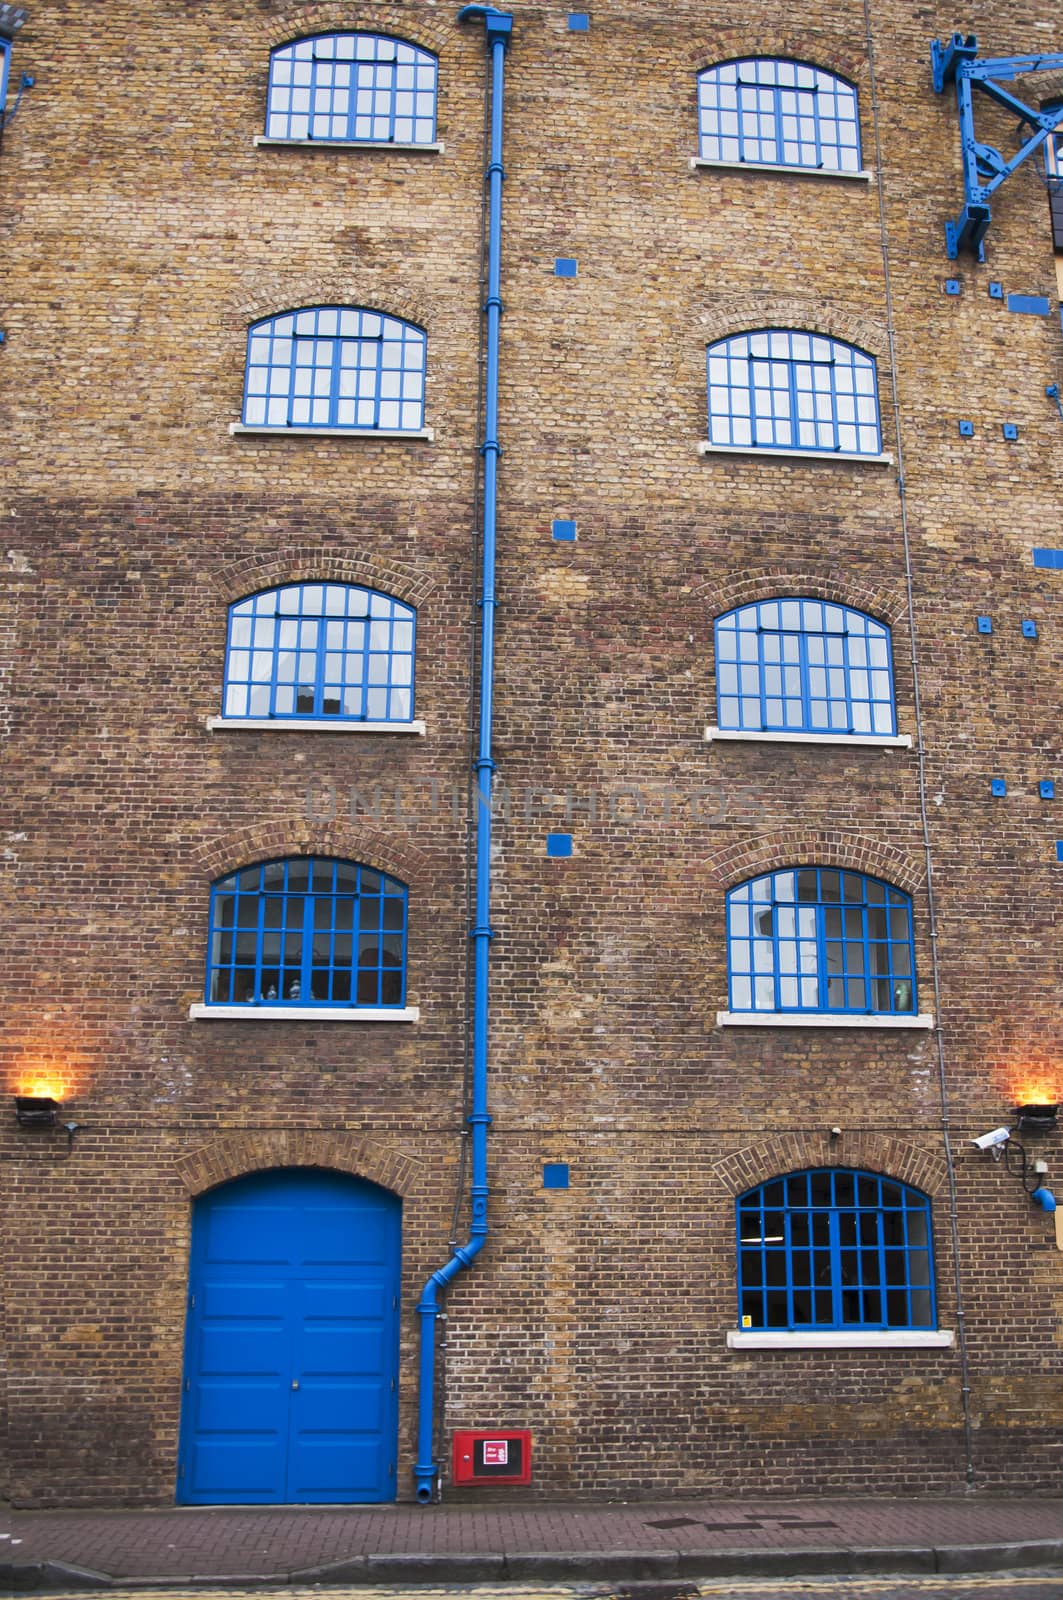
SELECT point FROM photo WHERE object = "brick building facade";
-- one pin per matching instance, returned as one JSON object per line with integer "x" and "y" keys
{"x": 144, "y": 232}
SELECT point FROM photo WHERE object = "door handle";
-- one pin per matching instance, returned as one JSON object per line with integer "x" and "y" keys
{"x": 295, "y": 1383}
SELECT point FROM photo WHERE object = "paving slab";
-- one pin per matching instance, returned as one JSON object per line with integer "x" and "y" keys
{"x": 467, "y": 1542}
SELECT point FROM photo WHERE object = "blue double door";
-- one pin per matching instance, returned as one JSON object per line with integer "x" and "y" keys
{"x": 291, "y": 1349}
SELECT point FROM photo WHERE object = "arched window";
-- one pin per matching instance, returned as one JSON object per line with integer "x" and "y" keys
{"x": 778, "y": 388}
{"x": 320, "y": 651}
{"x": 339, "y": 367}
{"x": 778, "y": 113}
{"x": 308, "y": 931}
{"x": 804, "y": 666}
{"x": 815, "y": 939}
{"x": 352, "y": 88}
{"x": 832, "y": 1248}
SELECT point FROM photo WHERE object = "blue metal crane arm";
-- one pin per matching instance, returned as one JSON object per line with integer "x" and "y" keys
{"x": 984, "y": 168}
{"x": 1008, "y": 67}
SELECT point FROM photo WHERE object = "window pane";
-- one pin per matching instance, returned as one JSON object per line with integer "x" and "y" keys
{"x": 293, "y": 937}
{"x": 830, "y": 1259}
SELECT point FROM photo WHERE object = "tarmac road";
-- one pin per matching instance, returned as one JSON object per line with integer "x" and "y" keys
{"x": 1043, "y": 1584}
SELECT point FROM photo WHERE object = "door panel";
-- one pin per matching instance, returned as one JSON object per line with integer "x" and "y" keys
{"x": 292, "y": 1342}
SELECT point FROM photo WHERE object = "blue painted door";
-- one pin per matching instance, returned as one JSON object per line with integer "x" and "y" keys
{"x": 291, "y": 1349}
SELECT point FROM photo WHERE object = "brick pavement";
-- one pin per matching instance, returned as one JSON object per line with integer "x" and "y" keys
{"x": 475, "y": 1542}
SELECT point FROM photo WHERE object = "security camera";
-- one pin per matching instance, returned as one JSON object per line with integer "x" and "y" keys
{"x": 990, "y": 1141}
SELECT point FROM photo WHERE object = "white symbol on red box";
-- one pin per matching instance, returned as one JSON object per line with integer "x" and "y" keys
{"x": 496, "y": 1452}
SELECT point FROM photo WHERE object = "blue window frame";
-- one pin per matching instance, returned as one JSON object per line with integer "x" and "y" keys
{"x": 775, "y": 112}
{"x": 818, "y": 939}
{"x": 5, "y": 67}
{"x": 804, "y": 666}
{"x": 778, "y": 388}
{"x": 835, "y": 1248}
{"x": 308, "y": 931}
{"x": 355, "y": 88}
{"x": 335, "y": 367}
{"x": 320, "y": 651}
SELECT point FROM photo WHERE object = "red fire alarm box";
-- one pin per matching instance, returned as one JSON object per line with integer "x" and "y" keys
{"x": 500, "y": 1457}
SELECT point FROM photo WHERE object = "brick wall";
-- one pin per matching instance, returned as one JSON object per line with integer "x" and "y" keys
{"x": 142, "y": 232}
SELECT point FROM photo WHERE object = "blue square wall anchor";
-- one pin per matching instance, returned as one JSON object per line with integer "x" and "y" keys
{"x": 966, "y": 430}
{"x": 998, "y": 787}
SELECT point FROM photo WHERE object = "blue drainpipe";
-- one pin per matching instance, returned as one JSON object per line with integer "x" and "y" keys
{"x": 498, "y": 25}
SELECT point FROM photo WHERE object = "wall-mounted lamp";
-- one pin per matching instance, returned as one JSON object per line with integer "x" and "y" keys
{"x": 1036, "y": 1116}
{"x": 36, "y": 1111}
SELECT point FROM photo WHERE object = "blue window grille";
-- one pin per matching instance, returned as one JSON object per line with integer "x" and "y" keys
{"x": 782, "y": 113}
{"x": 320, "y": 650}
{"x": 353, "y": 87}
{"x": 836, "y": 1249}
{"x": 308, "y": 931}
{"x": 818, "y": 939}
{"x": 778, "y": 388}
{"x": 335, "y": 367}
{"x": 804, "y": 666}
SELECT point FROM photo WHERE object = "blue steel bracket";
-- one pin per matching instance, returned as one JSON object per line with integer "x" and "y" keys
{"x": 984, "y": 168}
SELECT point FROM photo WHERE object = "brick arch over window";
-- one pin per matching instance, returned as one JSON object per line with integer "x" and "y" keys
{"x": 236, "y": 1154}
{"x": 1049, "y": 88}
{"x": 738, "y": 44}
{"x": 337, "y": 836}
{"x": 863, "y": 1151}
{"x": 748, "y": 313}
{"x": 253, "y": 573}
{"x": 295, "y": 21}
{"x": 786, "y": 847}
{"x": 888, "y": 605}
{"x": 359, "y": 289}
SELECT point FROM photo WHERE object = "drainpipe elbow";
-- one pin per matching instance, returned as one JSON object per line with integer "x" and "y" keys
{"x": 499, "y": 23}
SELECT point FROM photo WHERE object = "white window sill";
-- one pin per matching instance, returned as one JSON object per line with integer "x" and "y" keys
{"x": 843, "y": 1339}
{"x": 707, "y": 448}
{"x": 782, "y": 168}
{"x": 821, "y": 1019}
{"x": 899, "y": 741}
{"x": 268, "y": 1013}
{"x": 263, "y": 139}
{"x": 309, "y": 725}
{"x": 296, "y": 431}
